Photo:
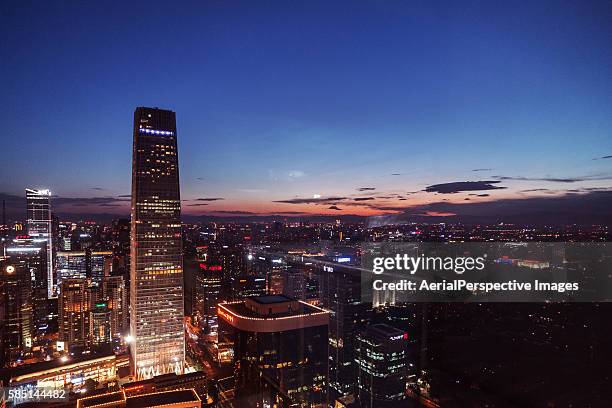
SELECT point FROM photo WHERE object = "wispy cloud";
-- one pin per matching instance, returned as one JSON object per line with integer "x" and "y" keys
{"x": 592, "y": 177}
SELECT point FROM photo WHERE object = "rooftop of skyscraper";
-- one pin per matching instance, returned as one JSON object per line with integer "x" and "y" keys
{"x": 279, "y": 312}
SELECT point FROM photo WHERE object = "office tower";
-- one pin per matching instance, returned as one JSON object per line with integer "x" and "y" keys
{"x": 70, "y": 265}
{"x": 276, "y": 276}
{"x": 279, "y": 348}
{"x": 115, "y": 294}
{"x": 99, "y": 324}
{"x": 15, "y": 311}
{"x": 248, "y": 285}
{"x": 382, "y": 358}
{"x": 74, "y": 307}
{"x": 121, "y": 246}
{"x": 341, "y": 293}
{"x": 30, "y": 256}
{"x": 40, "y": 227}
{"x": 100, "y": 263}
{"x": 156, "y": 271}
{"x": 207, "y": 292}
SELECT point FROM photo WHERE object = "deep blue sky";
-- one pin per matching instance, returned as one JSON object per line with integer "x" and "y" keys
{"x": 278, "y": 100}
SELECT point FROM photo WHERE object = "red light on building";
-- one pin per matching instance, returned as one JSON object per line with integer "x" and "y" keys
{"x": 405, "y": 336}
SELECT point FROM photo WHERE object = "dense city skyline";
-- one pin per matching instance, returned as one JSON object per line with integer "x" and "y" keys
{"x": 306, "y": 205}
{"x": 326, "y": 109}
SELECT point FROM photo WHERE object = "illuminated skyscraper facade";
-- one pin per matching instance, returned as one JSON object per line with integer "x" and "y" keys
{"x": 38, "y": 204}
{"x": 156, "y": 269}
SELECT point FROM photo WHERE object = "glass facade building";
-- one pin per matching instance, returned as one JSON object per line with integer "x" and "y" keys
{"x": 156, "y": 269}
{"x": 279, "y": 350}
{"x": 38, "y": 203}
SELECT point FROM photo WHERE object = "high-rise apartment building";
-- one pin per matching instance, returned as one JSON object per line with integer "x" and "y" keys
{"x": 40, "y": 227}
{"x": 156, "y": 270}
{"x": 74, "y": 313}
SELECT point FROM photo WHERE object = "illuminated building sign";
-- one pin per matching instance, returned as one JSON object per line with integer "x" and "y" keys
{"x": 156, "y": 132}
{"x": 226, "y": 315}
{"x": 211, "y": 267}
{"x": 400, "y": 337}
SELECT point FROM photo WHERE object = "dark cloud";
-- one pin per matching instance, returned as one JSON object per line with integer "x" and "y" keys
{"x": 603, "y": 157}
{"x": 290, "y": 213}
{"x": 363, "y": 198}
{"x": 584, "y": 208}
{"x": 125, "y": 195}
{"x": 210, "y": 199}
{"x": 197, "y": 205}
{"x": 366, "y": 188}
{"x": 396, "y": 174}
{"x": 459, "y": 186}
{"x": 333, "y": 207}
{"x": 200, "y": 178}
{"x": 98, "y": 188}
{"x": 601, "y": 176}
{"x": 323, "y": 200}
{"x": 482, "y": 169}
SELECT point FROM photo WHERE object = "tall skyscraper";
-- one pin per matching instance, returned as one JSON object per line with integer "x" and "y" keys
{"x": 39, "y": 218}
{"x": 15, "y": 312}
{"x": 156, "y": 269}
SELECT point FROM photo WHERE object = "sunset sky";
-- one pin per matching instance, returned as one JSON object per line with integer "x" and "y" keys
{"x": 310, "y": 108}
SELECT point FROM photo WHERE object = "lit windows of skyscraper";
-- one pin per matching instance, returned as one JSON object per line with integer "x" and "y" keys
{"x": 70, "y": 265}
{"x": 38, "y": 204}
{"x": 382, "y": 358}
{"x": 100, "y": 264}
{"x": 113, "y": 288}
{"x": 31, "y": 257}
{"x": 156, "y": 270}
{"x": 15, "y": 311}
{"x": 279, "y": 347}
{"x": 74, "y": 313}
